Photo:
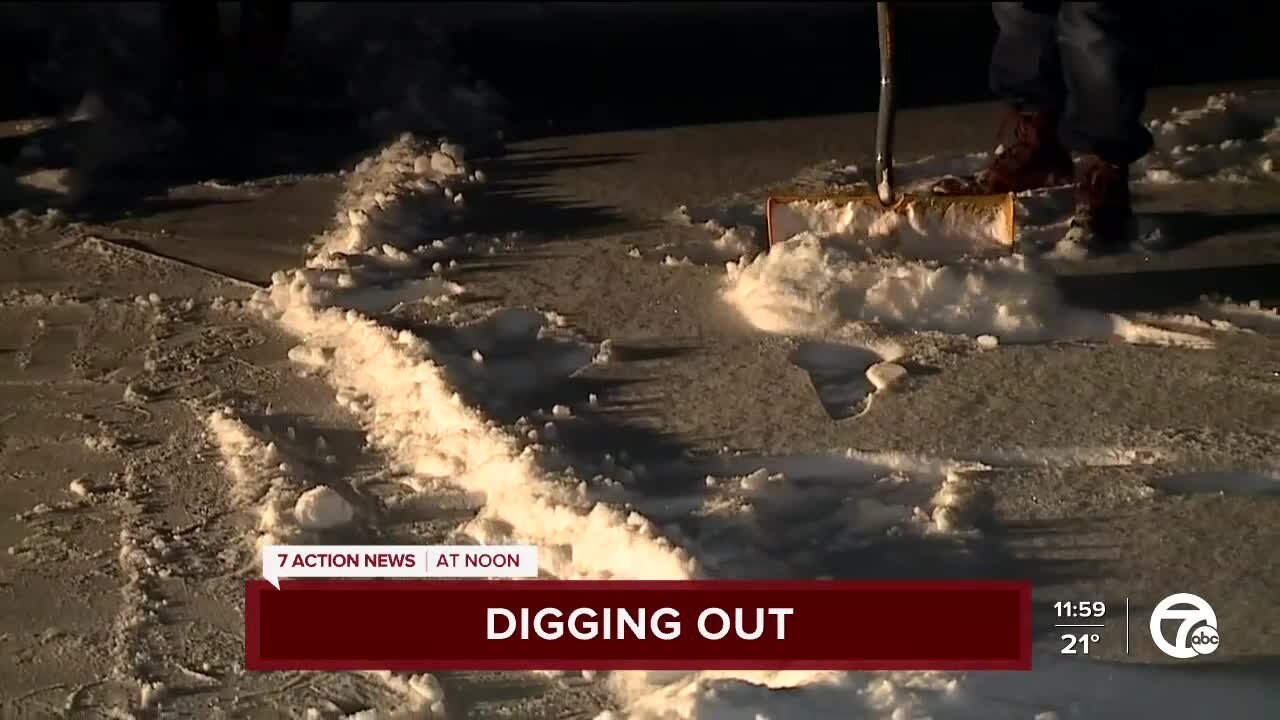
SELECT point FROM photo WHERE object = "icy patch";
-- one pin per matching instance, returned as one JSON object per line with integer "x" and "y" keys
{"x": 1222, "y": 482}
{"x": 1233, "y": 137}
{"x": 807, "y": 286}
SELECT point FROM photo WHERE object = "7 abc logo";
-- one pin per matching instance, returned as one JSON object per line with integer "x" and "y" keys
{"x": 1197, "y": 626}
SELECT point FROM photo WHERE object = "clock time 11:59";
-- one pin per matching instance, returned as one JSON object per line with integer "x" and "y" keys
{"x": 1094, "y": 609}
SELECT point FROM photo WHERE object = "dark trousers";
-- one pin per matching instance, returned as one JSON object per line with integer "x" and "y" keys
{"x": 1081, "y": 61}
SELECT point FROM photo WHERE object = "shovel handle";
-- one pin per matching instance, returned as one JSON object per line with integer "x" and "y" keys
{"x": 884, "y": 124}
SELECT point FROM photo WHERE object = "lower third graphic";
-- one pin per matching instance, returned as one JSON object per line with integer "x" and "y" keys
{"x": 1197, "y": 626}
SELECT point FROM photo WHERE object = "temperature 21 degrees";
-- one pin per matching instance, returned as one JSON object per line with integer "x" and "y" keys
{"x": 1079, "y": 644}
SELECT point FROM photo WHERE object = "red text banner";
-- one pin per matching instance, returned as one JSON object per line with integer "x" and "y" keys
{"x": 629, "y": 625}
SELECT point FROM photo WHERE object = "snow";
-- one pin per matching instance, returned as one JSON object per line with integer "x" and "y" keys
{"x": 924, "y": 231}
{"x": 415, "y": 416}
{"x": 1233, "y": 137}
{"x": 322, "y": 508}
{"x": 423, "y": 694}
{"x": 265, "y": 481}
{"x": 885, "y": 374}
{"x": 1250, "y": 316}
{"x": 152, "y": 693}
{"x": 844, "y": 273}
{"x": 808, "y": 286}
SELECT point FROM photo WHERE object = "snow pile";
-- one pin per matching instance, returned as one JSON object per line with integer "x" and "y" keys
{"x": 424, "y": 698}
{"x": 736, "y": 232}
{"x": 923, "y": 232}
{"x": 412, "y": 413}
{"x": 272, "y": 487}
{"x": 730, "y": 240}
{"x": 322, "y": 508}
{"x": 809, "y": 285}
{"x": 1234, "y": 137}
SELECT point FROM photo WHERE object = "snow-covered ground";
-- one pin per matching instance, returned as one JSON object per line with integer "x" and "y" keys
{"x": 748, "y": 517}
{"x": 435, "y": 431}
{"x": 852, "y": 271}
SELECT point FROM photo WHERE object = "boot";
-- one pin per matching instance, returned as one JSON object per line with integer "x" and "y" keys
{"x": 1034, "y": 158}
{"x": 1103, "y": 219}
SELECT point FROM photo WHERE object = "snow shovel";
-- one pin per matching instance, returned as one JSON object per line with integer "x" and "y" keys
{"x": 993, "y": 213}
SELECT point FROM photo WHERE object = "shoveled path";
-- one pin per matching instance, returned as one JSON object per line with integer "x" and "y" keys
{"x": 689, "y": 376}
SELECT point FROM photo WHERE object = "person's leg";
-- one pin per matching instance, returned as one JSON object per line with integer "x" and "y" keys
{"x": 1026, "y": 70}
{"x": 1102, "y": 120}
{"x": 1105, "y": 80}
{"x": 1026, "y": 73}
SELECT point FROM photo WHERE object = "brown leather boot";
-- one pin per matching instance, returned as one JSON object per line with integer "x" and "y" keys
{"x": 1103, "y": 219}
{"x": 1033, "y": 158}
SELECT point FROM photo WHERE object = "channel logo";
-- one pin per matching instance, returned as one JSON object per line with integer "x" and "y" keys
{"x": 1197, "y": 626}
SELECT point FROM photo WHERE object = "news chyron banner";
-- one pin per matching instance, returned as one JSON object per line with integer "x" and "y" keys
{"x": 429, "y": 608}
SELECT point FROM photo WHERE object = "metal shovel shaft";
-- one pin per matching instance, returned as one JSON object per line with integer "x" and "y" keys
{"x": 884, "y": 124}
{"x": 989, "y": 216}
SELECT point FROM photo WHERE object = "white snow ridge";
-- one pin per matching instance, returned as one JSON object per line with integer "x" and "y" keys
{"x": 389, "y": 378}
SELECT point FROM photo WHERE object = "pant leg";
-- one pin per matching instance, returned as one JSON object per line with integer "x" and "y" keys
{"x": 1105, "y": 78}
{"x": 1025, "y": 67}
